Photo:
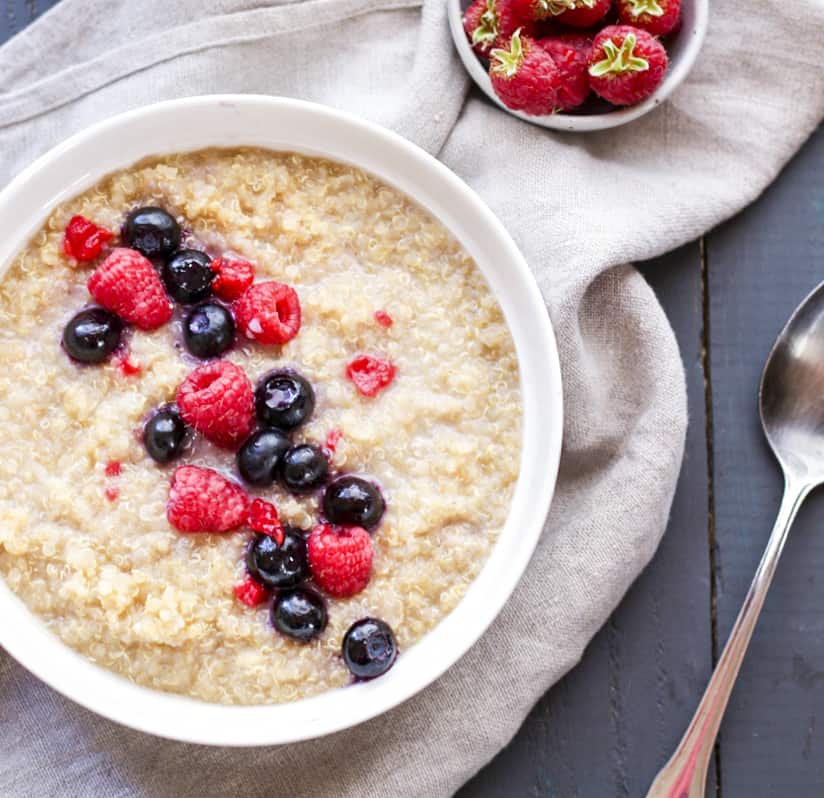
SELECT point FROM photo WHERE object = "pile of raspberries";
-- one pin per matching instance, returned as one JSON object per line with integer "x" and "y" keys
{"x": 547, "y": 56}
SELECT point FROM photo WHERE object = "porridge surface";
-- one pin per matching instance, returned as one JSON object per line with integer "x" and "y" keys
{"x": 112, "y": 578}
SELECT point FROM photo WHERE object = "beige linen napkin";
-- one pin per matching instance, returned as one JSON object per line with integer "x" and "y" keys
{"x": 580, "y": 207}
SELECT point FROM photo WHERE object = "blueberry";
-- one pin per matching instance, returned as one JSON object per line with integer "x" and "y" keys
{"x": 303, "y": 468}
{"x": 299, "y": 613}
{"x": 152, "y": 231}
{"x": 369, "y": 648}
{"x": 209, "y": 330}
{"x": 188, "y": 276}
{"x": 164, "y": 435}
{"x": 259, "y": 458}
{"x": 353, "y": 501}
{"x": 284, "y": 399}
{"x": 92, "y": 335}
{"x": 279, "y": 566}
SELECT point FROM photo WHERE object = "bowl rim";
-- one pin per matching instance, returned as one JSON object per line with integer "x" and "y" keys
{"x": 277, "y": 123}
{"x": 587, "y": 123}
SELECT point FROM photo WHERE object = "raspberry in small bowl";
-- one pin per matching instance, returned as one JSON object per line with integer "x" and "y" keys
{"x": 614, "y": 60}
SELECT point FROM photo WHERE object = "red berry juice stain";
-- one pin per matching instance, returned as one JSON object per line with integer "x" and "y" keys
{"x": 333, "y": 439}
{"x": 383, "y": 318}
{"x": 113, "y": 468}
{"x": 112, "y": 494}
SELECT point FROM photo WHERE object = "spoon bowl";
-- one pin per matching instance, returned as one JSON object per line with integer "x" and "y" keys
{"x": 791, "y": 397}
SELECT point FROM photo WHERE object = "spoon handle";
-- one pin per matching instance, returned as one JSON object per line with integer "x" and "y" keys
{"x": 685, "y": 775}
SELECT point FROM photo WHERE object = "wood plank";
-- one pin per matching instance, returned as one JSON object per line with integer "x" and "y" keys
{"x": 607, "y": 728}
{"x": 760, "y": 266}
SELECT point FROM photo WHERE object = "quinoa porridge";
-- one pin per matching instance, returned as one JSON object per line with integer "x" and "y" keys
{"x": 85, "y": 540}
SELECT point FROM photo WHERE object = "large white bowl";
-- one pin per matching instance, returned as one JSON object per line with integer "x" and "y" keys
{"x": 280, "y": 124}
{"x": 683, "y": 47}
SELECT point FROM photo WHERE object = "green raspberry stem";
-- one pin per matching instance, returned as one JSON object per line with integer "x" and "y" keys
{"x": 650, "y": 7}
{"x": 619, "y": 60}
{"x": 507, "y": 62}
{"x": 558, "y": 7}
{"x": 487, "y": 30}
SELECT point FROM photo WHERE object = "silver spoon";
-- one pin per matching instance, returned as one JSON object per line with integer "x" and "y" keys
{"x": 791, "y": 404}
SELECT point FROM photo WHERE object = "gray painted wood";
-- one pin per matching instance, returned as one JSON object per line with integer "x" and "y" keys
{"x": 761, "y": 265}
{"x": 609, "y": 726}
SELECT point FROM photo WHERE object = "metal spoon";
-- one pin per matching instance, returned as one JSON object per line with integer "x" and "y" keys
{"x": 791, "y": 403}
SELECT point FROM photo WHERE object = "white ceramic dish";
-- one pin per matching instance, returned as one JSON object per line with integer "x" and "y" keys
{"x": 683, "y": 48}
{"x": 280, "y": 124}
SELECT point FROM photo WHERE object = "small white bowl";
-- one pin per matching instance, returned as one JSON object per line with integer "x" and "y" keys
{"x": 281, "y": 124}
{"x": 682, "y": 48}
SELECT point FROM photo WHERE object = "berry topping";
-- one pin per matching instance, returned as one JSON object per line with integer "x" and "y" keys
{"x": 280, "y": 565}
{"x": 332, "y": 440}
{"x": 263, "y": 518}
{"x": 127, "y": 284}
{"x": 152, "y": 231}
{"x": 626, "y": 64}
{"x": 127, "y": 366}
{"x": 209, "y": 330}
{"x": 259, "y": 458}
{"x": 370, "y": 374}
{"x": 340, "y": 559}
{"x": 300, "y": 614}
{"x": 303, "y": 468}
{"x": 188, "y": 276}
{"x": 284, "y": 399}
{"x": 658, "y": 17}
{"x": 83, "y": 239}
{"x": 164, "y": 435}
{"x": 383, "y": 318}
{"x": 113, "y": 468}
{"x": 201, "y": 500}
{"x": 216, "y": 399}
{"x": 232, "y": 277}
{"x": 369, "y": 648}
{"x": 353, "y": 501}
{"x": 524, "y": 76}
{"x": 250, "y": 592}
{"x": 111, "y": 493}
{"x": 92, "y": 335}
{"x": 268, "y": 313}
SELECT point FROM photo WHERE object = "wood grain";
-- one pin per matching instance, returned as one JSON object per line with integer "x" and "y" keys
{"x": 608, "y": 727}
{"x": 761, "y": 265}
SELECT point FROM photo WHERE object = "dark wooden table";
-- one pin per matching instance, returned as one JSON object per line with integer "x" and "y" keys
{"x": 608, "y": 727}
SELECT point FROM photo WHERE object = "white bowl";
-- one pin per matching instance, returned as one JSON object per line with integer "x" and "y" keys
{"x": 682, "y": 48}
{"x": 280, "y": 124}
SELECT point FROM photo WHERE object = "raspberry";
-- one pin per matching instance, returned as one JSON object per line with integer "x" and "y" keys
{"x": 216, "y": 399}
{"x": 383, "y": 318}
{"x": 113, "y": 468}
{"x": 127, "y": 284}
{"x": 626, "y": 64}
{"x": 83, "y": 239}
{"x": 658, "y": 17}
{"x": 524, "y": 76}
{"x": 127, "y": 366}
{"x": 269, "y": 313}
{"x": 250, "y": 592}
{"x": 263, "y": 518}
{"x": 201, "y": 500}
{"x": 333, "y": 439}
{"x": 570, "y": 52}
{"x": 370, "y": 374}
{"x": 575, "y": 13}
{"x": 233, "y": 277}
{"x": 489, "y": 22}
{"x": 340, "y": 559}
